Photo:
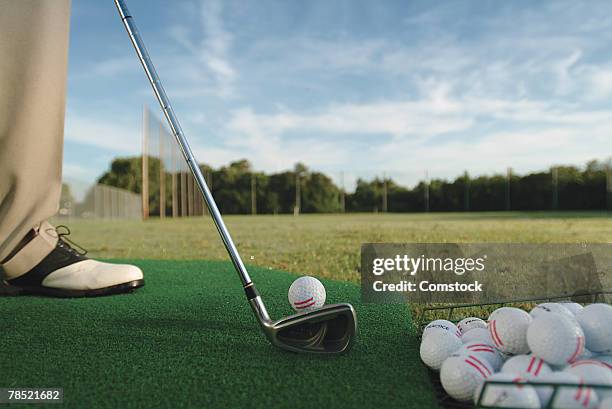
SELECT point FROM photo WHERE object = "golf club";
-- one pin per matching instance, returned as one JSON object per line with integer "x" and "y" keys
{"x": 330, "y": 329}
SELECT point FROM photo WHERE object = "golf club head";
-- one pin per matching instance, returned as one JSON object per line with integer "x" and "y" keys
{"x": 330, "y": 329}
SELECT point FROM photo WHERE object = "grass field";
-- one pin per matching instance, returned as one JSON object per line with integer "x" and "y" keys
{"x": 328, "y": 245}
{"x": 188, "y": 339}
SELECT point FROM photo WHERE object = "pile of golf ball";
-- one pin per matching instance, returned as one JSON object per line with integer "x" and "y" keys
{"x": 563, "y": 343}
{"x": 306, "y": 294}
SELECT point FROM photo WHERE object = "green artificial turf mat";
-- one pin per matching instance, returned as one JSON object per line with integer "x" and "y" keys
{"x": 189, "y": 339}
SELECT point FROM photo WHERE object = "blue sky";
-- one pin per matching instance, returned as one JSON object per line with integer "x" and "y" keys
{"x": 362, "y": 87}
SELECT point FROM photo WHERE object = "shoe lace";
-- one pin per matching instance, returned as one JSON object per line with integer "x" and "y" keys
{"x": 62, "y": 233}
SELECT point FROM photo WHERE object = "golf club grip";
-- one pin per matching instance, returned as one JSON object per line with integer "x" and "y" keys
{"x": 158, "y": 89}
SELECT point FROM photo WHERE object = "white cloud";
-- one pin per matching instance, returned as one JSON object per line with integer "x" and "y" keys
{"x": 439, "y": 133}
{"x": 598, "y": 81}
{"x": 426, "y": 117}
{"x": 102, "y": 133}
{"x": 563, "y": 67}
{"x": 77, "y": 172}
{"x": 208, "y": 68}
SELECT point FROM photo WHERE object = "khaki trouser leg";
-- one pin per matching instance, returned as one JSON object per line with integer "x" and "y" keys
{"x": 33, "y": 71}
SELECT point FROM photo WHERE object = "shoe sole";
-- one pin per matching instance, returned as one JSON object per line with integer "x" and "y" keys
{"x": 100, "y": 292}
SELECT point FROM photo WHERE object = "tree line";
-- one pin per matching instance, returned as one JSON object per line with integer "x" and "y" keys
{"x": 238, "y": 189}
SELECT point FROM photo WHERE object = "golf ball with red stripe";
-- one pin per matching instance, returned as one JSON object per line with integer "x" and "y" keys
{"x": 508, "y": 329}
{"x": 485, "y": 352}
{"x": 527, "y": 366}
{"x": 461, "y": 374}
{"x": 556, "y": 339}
{"x": 596, "y": 322}
{"x": 593, "y": 372}
{"x": 511, "y": 395}
{"x": 579, "y": 397}
{"x": 306, "y": 294}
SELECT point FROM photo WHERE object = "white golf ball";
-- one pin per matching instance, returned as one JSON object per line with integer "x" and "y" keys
{"x": 470, "y": 323}
{"x": 462, "y": 374}
{"x": 483, "y": 352}
{"x": 526, "y": 366}
{"x": 567, "y": 397}
{"x": 548, "y": 307}
{"x": 442, "y": 324}
{"x": 508, "y": 328}
{"x": 596, "y": 322}
{"x": 477, "y": 335}
{"x": 593, "y": 372}
{"x": 573, "y": 307}
{"x": 306, "y": 294}
{"x": 513, "y": 395}
{"x": 437, "y": 346}
{"x": 555, "y": 338}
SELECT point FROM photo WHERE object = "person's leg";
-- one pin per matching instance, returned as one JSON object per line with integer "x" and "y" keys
{"x": 33, "y": 71}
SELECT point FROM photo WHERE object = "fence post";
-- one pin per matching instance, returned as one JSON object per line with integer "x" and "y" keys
{"x": 174, "y": 171}
{"x": 426, "y": 191}
{"x": 555, "y": 187}
{"x": 609, "y": 187}
{"x": 342, "y": 193}
{"x": 162, "y": 174}
{"x": 183, "y": 194}
{"x": 296, "y": 209}
{"x": 145, "y": 163}
{"x": 384, "y": 195}
{"x": 253, "y": 194}
{"x": 190, "y": 196}
{"x": 508, "y": 178}
{"x": 208, "y": 177}
{"x": 466, "y": 193}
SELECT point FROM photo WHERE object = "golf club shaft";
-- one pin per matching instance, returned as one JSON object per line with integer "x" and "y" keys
{"x": 147, "y": 64}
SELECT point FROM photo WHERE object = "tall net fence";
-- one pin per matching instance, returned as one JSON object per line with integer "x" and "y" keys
{"x": 168, "y": 188}
{"x": 609, "y": 188}
{"x": 99, "y": 202}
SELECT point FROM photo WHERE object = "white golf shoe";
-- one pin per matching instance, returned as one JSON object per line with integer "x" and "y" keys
{"x": 66, "y": 272}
